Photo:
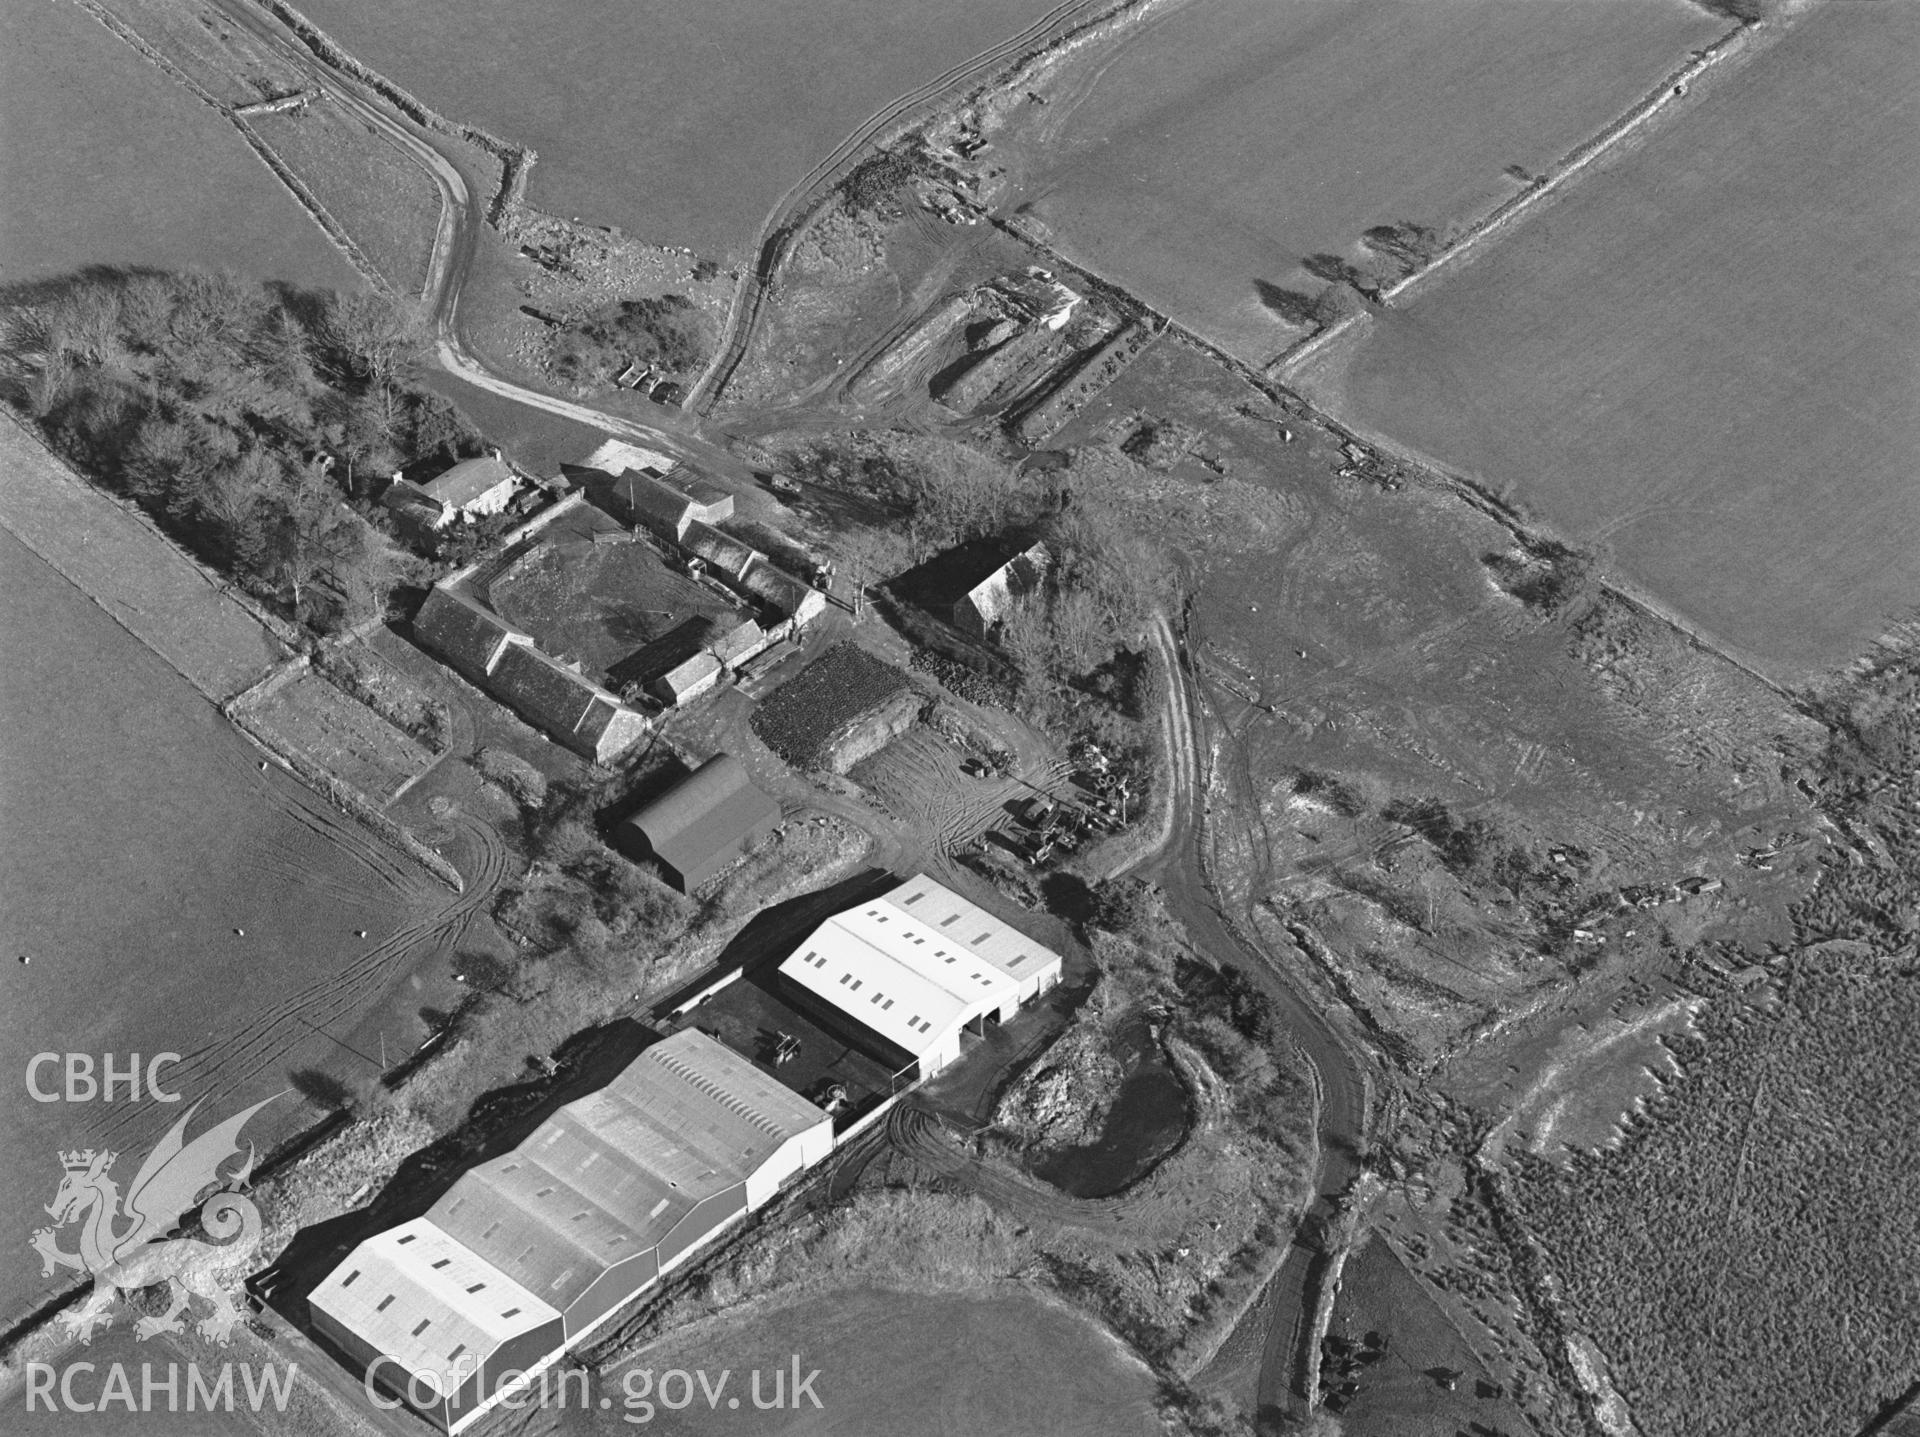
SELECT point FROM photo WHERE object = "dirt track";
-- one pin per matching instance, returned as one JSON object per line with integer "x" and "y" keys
{"x": 781, "y": 222}
{"x": 1339, "y": 1075}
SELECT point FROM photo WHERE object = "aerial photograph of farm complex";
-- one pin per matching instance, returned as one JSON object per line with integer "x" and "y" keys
{"x": 1117, "y": 718}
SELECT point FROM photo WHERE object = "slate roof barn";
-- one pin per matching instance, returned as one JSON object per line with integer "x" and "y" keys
{"x": 530, "y": 1251}
{"x": 987, "y": 603}
{"x": 784, "y": 594}
{"x": 724, "y": 552}
{"x": 642, "y": 498}
{"x": 570, "y": 706}
{"x": 702, "y": 824}
{"x": 468, "y": 636}
{"x": 489, "y": 652}
{"x": 711, "y": 502}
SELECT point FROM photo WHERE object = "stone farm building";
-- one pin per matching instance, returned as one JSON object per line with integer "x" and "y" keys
{"x": 681, "y": 509}
{"x": 984, "y": 607}
{"x": 470, "y": 489}
{"x": 702, "y": 825}
{"x": 653, "y": 501}
{"x": 531, "y": 1251}
{"x": 905, "y": 975}
{"x": 490, "y": 653}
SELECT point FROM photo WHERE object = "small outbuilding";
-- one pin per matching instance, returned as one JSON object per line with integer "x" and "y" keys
{"x": 686, "y": 680}
{"x": 984, "y": 608}
{"x": 701, "y": 825}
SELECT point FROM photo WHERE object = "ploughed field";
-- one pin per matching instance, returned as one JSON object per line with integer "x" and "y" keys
{"x": 1703, "y": 356}
{"x": 1215, "y": 148}
{"x": 681, "y": 124}
{"x": 137, "y": 834}
{"x": 107, "y": 161}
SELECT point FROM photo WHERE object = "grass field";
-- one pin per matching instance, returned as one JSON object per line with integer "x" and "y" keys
{"x": 1703, "y": 357}
{"x": 1219, "y": 146}
{"x": 1397, "y": 1396}
{"x": 105, "y": 160}
{"x": 140, "y": 836}
{"x": 679, "y": 124}
{"x": 343, "y": 736}
{"x": 373, "y": 190}
{"x": 909, "y": 1365}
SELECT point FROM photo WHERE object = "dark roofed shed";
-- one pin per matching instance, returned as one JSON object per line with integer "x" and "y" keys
{"x": 702, "y": 824}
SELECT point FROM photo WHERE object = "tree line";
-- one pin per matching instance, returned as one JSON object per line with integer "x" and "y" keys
{"x": 254, "y": 422}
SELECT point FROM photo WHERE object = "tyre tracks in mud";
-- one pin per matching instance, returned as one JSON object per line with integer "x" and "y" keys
{"x": 236, "y": 1060}
{"x": 1338, "y": 1074}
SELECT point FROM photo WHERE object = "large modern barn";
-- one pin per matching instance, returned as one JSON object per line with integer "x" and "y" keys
{"x": 906, "y": 974}
{"x": 530, "y": 1251}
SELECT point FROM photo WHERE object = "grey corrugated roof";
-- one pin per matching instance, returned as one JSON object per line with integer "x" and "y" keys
{"x": 612, "y": 1174}
{"x": 710, "y": 808}
{"x": 918, "y": 961}
{"x": 972, "y": 927}
{"x": 425, "y": 1299}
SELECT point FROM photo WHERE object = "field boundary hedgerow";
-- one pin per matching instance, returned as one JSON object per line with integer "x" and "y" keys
{"x": 303, "y": 196}
{"x": 1673, "y": 87}
{"x": 516, "y": 161}
{"x": 53, "y": 469}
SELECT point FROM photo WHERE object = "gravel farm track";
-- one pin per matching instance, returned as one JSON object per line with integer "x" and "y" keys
{"x": 1338, "y": 1074}
{"x": 1177, "y": 864}
{"x": 781, "y": 223}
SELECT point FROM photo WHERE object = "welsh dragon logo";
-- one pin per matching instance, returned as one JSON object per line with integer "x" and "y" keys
{"x": 122, "y": 1242}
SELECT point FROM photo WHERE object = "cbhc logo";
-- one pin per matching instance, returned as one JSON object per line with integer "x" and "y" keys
{"x": 82, "y": 1086}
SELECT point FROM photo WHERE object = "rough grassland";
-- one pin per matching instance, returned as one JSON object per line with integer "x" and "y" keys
{"x": 680, "y": 123}
{"x": 106, "y": 161}
{"x": 1010, "y": 1362}
{"x": 1224, "y": 144}
{"x": 1746, "y": 1262}
{"x": 1705, "y": 355}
